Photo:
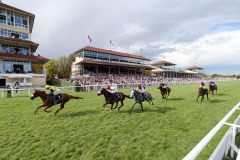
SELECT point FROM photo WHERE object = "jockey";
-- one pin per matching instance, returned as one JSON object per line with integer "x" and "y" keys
{"x": 141, "y": 89}
{"x": 55, "y": 92}
{"x": 212, "y": 83}
{"x": 113, "y": 89}
{"x": 164, "y": 85}
{"x": 202, "y": 85}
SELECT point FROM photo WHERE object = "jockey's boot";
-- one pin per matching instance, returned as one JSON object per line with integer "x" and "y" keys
{"x": 55, "y": 99}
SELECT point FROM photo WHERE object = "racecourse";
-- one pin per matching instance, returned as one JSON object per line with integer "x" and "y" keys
{"x": 85, "y": 130}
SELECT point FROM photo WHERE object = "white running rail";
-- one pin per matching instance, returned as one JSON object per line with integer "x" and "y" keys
{"x": 228, "y": 141}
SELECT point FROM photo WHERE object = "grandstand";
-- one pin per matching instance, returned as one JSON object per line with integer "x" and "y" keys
{"x": 95, "y": 60}
{"x": 168, "y": 70}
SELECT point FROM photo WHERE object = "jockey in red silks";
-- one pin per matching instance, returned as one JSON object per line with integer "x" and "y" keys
{"x": 141, "y": 89}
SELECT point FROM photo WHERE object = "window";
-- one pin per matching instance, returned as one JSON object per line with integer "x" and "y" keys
{"x": 3, "y": 17}
{"x": 9, "y": 33}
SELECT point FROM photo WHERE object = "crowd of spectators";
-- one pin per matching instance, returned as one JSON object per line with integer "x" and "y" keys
{"x": 101, "y": 79}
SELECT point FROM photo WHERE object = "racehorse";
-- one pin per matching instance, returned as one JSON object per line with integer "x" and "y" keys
{"x": 213, "y": 88}
{"x": 164, "y": 91}
{"x": 48, "y": 100}
{"x": 111, "y": 98}
{"x": 140, "y": 98}
{"x": 202, "y": 92}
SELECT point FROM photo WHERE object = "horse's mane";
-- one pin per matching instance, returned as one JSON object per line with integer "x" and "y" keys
{"x": 137, "y": 95}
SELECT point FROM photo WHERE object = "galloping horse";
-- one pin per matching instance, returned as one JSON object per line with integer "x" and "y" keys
{"x": 202, "y": 92}
{"x": 139, "y": 98}
{"x": 164, "y": 91}
{"x": 48, "y": 100}
{"x": 213, "y": 88}
{"x": 110, "y": 98}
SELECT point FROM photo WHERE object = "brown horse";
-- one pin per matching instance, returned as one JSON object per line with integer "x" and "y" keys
{"x": 164, "y": 91}
{"x": 48, "y": 100}
{"x": 213, "y": 88}
{"x": 202, "y": 92}
{"x": 111, "y": 98}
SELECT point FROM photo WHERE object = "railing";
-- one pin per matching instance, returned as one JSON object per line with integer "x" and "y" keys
{"x": 226, "y": 145}
{"x": 88, "y": 88}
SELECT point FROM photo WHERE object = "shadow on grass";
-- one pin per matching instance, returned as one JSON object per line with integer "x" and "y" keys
{"x": 176, "y": 99}
{"x": 217, "y": 101}
{"x": 137, "y": 109}
{"x": 78, "y": 114}
{"x": 221, "y": 94}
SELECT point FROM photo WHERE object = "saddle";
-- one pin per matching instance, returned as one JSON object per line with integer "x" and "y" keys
{"x": 57, "y": 98}
{"x": 116, "y": 95}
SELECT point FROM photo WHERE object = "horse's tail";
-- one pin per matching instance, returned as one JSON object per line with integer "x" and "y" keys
{"x": 74, "y": 97}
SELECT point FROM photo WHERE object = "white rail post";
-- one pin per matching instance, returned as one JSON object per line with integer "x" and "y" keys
{"x": 200, "y": 146}
{"x": 2, "y": 93}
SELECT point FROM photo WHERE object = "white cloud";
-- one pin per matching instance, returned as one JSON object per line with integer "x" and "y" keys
{"x": 220, "y": 48}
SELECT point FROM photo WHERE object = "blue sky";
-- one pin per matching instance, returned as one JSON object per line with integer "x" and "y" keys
{"x": 206, "y": 32}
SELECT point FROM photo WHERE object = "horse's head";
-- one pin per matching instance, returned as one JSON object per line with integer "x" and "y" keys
{"x": 36, "y": 94}
{"x": 103, "y": 90}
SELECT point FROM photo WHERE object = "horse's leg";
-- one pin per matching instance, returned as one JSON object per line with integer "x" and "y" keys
{"x": 202, "y": 99}
{"x": 116, "y": 105}
{"x": 120, "y": 106}
{"x": 133, "y": 107}
{"x": 207, "y": 96}
{"x": 112, "y": 106}
{"x": 47, "y": 108}
{"x": 104, "y": 105}
{"x": 38, "y": 109}
{"x": 197, "y": 98}
{"x": 61, "y": 107}
{"x": 148, "y": 101}
{"x": 141, "y": 107}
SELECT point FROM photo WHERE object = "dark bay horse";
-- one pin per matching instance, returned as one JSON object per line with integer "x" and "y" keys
{"x": 139, "y": 98}
{"x": 202, "y": 92}
{"x": 213, "y": 88}
{"x": 111, "y": 98}
{"x": 48, "y": 100}
{"x": 165, "y": 91}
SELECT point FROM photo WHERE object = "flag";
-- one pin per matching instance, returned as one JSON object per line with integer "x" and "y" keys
{"x": 90, "y": 39}
{"x": 111, "y": 43}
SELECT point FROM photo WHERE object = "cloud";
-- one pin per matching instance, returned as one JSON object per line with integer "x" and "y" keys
{"x": 216, "y": 49}
{"x": 178, "y": 29}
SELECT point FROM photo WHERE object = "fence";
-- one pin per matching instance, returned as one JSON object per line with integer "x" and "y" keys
{"x": 88, "y": 88}
{"x": 227, "y": 146}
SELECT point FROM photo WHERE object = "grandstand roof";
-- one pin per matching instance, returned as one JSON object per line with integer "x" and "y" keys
{"x": 194, "y": 68}
{"x": 28, "y": 57}
{"x": 89, "y": 48}
{"x": 164, "y": 63}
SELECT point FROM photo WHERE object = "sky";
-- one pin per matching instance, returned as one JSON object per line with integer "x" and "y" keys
{"x": 205, "y": 33}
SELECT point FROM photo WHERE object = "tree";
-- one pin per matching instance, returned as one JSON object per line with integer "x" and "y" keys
{"x": 51, "y": 68}
{"x": 64, "y": 67}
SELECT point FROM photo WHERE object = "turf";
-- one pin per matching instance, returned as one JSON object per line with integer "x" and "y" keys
{"x": 85, "y": 130}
